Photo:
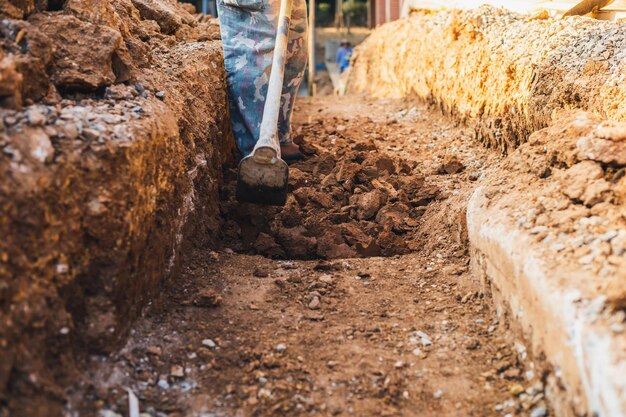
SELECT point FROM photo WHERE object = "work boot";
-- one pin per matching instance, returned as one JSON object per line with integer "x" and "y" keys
{"x": 290, "y": 152}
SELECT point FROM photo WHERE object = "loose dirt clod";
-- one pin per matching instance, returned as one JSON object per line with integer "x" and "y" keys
{"x": 353, "y": 201}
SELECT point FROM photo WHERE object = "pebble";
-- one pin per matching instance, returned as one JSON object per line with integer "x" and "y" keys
{"x": 539, "y": 412}
{"x": 154, "y": 350}
{"x": 516, "y": 389}
{"x": 209, "y": 343}
{"x": 177, "y": 371}
{"x": 260, "y": 273}
{"x": 314, "y": 304}
{"x": 160, "y": 95}
{"x": 264, "y": 393}
{"x": 424, "y": 339}
{"x": 108, "y": 413}
{"x": 35, "y": 117}
{"x": 91, "y": 134}
{"x": 438, "y": 394}
{"x": 281, "y": 347}
{"x": 163, "y": 384}
{"x": 326, "y": 279}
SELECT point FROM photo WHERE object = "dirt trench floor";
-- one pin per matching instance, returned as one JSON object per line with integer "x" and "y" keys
{"x": 356, "y": 299}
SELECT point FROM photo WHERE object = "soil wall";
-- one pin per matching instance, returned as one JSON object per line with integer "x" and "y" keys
{"x": 502, "y": 72}
{"x": 105, "y": 166}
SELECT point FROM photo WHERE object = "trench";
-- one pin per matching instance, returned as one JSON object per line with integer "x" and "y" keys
{"x": 356, "y": 298}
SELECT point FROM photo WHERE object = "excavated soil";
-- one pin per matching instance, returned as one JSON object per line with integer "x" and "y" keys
{"x": 408, "y": 333}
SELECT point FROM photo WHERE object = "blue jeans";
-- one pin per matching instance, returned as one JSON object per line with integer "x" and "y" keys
{"x": 248, "y": 29}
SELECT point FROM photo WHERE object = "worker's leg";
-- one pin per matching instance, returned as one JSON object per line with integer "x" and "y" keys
{"x": 294, "y": 70}
{"x": 246, "y": 32}
{"x": 248, "y": 29}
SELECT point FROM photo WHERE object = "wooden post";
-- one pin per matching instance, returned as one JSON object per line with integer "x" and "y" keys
{"x": 338, "y": 14}
{"x": 311, "y": 46}
{"x": 348, "y": 17}
{"x": 387, "y": 11}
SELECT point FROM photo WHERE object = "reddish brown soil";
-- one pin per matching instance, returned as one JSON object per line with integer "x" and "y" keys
{"x": 409, "y": 334}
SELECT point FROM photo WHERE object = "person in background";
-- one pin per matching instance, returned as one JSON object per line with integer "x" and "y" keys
{"x": 344, "y": 53}
{"x": 248, "y": 29}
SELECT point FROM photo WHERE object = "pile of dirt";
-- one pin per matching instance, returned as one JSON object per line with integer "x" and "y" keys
{"x": 502, "y": 72}
{"x": 115, "y": 128}
{"x": 348, "y": 199}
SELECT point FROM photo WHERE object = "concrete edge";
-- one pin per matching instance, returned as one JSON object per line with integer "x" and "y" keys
{"x": 584, "y": 358}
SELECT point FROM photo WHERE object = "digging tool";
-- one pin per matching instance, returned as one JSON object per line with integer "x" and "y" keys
{"x": 587, "y": 6}
{"x": 263, "y": 176}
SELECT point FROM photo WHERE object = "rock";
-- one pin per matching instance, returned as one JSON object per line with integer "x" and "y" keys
{"x": 326, "y": 279}
{"x": 423, "y": 337}
{"x": 166, "y": 13}
{"x": 369, "y": 203}
{"x": 108, "y": 413}
{"x": 160, "y": 95}
{"x": 177, "y": 371}
{"x": 451, "y": 166}
{"x": 207, "y": 298}
{"x": 609, "y": 149}
{"x": 266, "y": 245}
{"x": 438, "y": 394}
{"x": 209, "y": 343}
{"x": 260, "y": 273}
{"x": 33, "y": 143}
{"x": 516, "y": 389}
{"x": 76, "y": 64}
{"x": 10, "y": 84}
{"x": 314, "y": 304}
{"x": 575, "y": 180}
{"x": 154, "y": 350}
{"x": 597, "y": 191}
{"x": 332, "y": 246}
{"x": 539, "y": 412}
{"x": 472, "y": 344}
{"x": 35, "y": 117}
{"x": 512, "y": 373}
{"x": 281, "y": 347}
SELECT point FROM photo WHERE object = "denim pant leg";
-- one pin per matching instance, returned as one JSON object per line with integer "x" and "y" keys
{"x": 248, "y": 29}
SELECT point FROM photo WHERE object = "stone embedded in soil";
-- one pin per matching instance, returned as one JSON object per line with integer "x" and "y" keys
{"x": 452, "y": 166}
{"x": 207, "y": 298}
{"x": 177, "y": 371}
{"x": 166, "y": 13}
{"x": 260, "y": 273}
{"x": 314, "y": 304}
{"x": 79, "y": 65}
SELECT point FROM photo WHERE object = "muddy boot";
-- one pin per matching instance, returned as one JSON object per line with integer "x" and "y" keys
{"x": 290, "y": 153}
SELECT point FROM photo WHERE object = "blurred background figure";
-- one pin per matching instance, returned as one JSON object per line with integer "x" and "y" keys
{"x": 344, "y": 53}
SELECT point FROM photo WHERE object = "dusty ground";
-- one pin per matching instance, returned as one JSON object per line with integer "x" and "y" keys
{"x": 410, "y": 334}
